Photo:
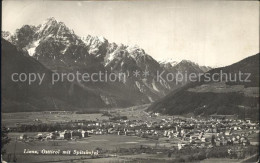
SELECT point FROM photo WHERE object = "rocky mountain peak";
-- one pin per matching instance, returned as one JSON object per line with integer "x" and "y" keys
{"x": 51, "y": 27}
{"x": 97, "y": 45}
{"x": 51, "y": 19}
{"x": 94, "y": 41}
{"x": 6, "y": 35}
{"x": 135, "y": 51}
{"x": 168, "y": 63}
{"x": 185, "y": 61}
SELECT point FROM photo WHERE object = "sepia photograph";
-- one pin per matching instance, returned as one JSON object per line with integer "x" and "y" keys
{"x": 130, "y": 81}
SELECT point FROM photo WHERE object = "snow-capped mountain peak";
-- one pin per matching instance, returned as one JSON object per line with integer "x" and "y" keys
{"x": 135, "y": 51}
{"x": 53, "y": 28}
{"x": 93, "y": 40}
{"x": 6, "y": 35}
{"x": 169, "y": 61}
{"x": 97, "y": 45}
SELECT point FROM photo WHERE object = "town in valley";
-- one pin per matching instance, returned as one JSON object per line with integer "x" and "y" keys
{"x": 130, "y": 134}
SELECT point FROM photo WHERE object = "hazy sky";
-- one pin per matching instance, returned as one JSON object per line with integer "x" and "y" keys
{"x": 214, "y": 33}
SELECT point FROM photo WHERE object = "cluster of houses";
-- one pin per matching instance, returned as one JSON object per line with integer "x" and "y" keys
{"x": 58, "y": 135}
{"x": 213, "y": 132}
{"x": 189, "y": 131}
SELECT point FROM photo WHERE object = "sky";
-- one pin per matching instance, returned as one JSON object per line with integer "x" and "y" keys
{"x": 213, "y": 33}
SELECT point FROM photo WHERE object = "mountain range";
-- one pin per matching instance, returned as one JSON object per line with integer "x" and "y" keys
{"x": 221, "y": 96}
{"x": 56, "y": 48}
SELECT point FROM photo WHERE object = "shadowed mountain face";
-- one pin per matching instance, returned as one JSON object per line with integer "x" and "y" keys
{"x": 59, "y": 49}
{"x": 20, "y": 96}
{"x": 219, "y": 97}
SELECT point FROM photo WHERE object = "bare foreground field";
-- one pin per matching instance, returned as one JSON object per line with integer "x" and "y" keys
{"x": 105, "y": 142}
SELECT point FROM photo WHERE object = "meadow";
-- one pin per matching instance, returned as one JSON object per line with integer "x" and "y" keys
{"x": 11, "y": 119}
{"x": 100, "y": 142}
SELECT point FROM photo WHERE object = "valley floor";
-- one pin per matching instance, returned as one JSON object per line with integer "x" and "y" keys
{"x": 123, "y": 135}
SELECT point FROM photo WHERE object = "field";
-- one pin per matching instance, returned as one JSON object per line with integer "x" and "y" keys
{"x": 220, "y": 160}
{"x": 132, "y": 113}
{"x": 139, "y": 113}
{"x": 11, "y": 119}
{"x": 254, "y": 138}
{"x": 104, "y": 142}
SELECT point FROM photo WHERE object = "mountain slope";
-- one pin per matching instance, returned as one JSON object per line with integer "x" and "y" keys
{"x": 206, "y": 98}
{"x": 20, "y": 96}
